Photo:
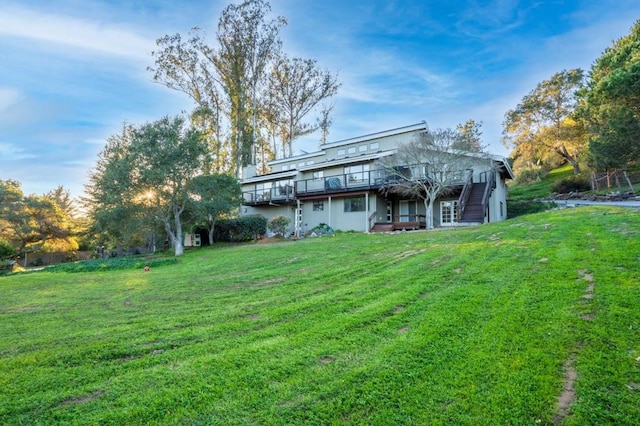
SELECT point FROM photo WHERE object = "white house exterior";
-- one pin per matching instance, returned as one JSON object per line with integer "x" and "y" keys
{"x": 339, "y": 185}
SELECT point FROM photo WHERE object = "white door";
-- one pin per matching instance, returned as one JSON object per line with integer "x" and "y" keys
{"x": 408, "y": 209}
{"x": 448, "y": 213}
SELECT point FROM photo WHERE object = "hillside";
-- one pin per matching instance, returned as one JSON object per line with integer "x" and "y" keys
{"x": 529, "y": 321}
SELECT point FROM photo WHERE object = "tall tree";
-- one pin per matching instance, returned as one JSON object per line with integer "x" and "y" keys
{"x": 214, "y": 197}
{"x": 470, "y": 136}
{"x": 144, "y": 174}
{"x": 427, "y": 168}
{"x": 538, "y": 121}
{"x": 296, "y": 87}
{"x": 247, "y": 44}
{"x": 611, "y": 104}
{"x": 224, "y": 80}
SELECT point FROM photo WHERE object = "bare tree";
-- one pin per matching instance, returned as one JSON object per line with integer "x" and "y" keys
{"x": 324, "y": 122}
{"x": 428, "y": 167}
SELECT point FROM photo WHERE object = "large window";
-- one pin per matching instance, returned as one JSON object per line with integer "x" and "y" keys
{"x": 357, "y": 173}
{"x": 355, "y": 204}
{"x": 318, "y": 206}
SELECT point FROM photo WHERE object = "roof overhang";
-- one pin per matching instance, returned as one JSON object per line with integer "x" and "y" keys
{"x": 347, "y": 160}
{"x": 271, "y": 177}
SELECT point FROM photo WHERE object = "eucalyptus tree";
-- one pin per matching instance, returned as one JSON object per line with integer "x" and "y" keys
{"x": 540, "y": 122}
{"x": 143, "y": 175}
{"x": 296, "y": 86}
{"x": 428, "y": 167}
{"x": 224, "y": 79}
{"x": 611, "y": 104}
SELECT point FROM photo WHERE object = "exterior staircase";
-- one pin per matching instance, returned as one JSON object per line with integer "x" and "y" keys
{"x": 474, "y": 210}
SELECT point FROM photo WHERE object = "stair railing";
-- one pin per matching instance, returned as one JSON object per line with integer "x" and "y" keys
{"x": 466, "y": 192}
{"x": 373, "y": 215}
{"x": 491, "y": 183}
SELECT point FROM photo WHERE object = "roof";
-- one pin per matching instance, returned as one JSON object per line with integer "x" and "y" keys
{"x": 271, "y": 177}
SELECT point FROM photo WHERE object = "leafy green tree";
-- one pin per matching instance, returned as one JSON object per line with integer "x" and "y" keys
{"x": 538, "y": 125}
{"x": 611, "y": 104}
{"x": 470, "y": 137}
{"x": 142, "y": 177}
{"x": 214, "y": 197}
{"x": 30, "y": 222}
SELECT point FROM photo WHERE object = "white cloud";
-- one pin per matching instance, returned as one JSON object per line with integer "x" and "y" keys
{"x": 14, "y": 152}
{"x": 93, "y": 35}
{"x": 9, "y": 96}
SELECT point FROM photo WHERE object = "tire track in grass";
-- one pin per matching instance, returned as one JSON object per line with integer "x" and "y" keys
{"x": 568, "y": 395}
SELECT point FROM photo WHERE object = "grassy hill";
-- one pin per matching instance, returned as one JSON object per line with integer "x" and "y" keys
{"x": 528, "y": 321}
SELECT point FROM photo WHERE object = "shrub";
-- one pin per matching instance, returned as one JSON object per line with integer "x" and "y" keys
{"x": 518, "y": 208}
{"x": 531, "y": 175}
{"x": 6, "y": 250}
{"x": 245, "y": 228}
{"x": 572, "y": 184}
{"x": 278, "y": 225}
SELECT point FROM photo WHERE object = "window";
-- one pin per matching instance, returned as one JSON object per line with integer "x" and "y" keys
{"x": 355, "y": 204}
{"x": 501, "y": 209}
{"x": 341, "y": 152}
{"x": 310, "y": 162}
{"x": 362, "y": 148}
{"x": 285, "y": 167}
{"x": 318, "y": 206}
{"x": 357, "y": 173}
{"x": 351, "y": 150}
{"x": 318, "y": 175}
{"x": 374, "y": 146}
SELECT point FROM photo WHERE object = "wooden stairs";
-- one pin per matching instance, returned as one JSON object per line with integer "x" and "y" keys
{"x": 474, "y": 211}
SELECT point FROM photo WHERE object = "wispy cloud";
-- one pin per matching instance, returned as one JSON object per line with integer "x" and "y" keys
{"x": 9, "y": 96}
{"x": 87, "y": 34}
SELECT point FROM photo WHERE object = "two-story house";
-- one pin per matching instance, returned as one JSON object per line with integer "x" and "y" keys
{"x": 340, "y": 185}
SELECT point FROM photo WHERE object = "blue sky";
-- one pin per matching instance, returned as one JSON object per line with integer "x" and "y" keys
{"x": 72, "y": 71}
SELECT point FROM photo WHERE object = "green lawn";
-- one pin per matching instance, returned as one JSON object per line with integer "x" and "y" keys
{"x": 482, "y": 325}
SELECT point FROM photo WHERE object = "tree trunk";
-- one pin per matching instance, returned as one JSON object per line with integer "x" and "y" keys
{"x": 626, "y": 176}
{"x": 211, "y": 229}
{"x": 428, "y": 206}
{"x": 179, "y": 244}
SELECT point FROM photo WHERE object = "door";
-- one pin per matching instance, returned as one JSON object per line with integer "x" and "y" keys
{"x": 448, "y": 213}
{"x": 408, "y": 210}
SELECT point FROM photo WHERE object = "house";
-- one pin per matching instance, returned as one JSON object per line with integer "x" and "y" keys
{"x": 340, "y": 185}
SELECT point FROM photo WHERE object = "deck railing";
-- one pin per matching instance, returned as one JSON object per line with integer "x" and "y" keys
{"x": 280, "y": 194}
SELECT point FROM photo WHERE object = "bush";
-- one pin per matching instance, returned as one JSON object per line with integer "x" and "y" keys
{"x": 245, "y": 228}
{"x": 519, "y": 208}
{"x": 278, "y": 225}
{"x": 572, "y": 184}
{"x": 531, "y": 175}
{"x": 6, "y": 250}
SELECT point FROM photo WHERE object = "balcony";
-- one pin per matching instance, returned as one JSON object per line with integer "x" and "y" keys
{"x": 360, "y": 181}
{"x": 279, "y": 195}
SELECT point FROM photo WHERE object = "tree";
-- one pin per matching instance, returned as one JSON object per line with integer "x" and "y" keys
{"x": 143, "y": 175}
{"x": 214, "y": 197}
{"x": 228, "y": 83}
{"x": 296, "y": 87}
{"x": 538, "y": 123}
{"x": 225, "y": 79}
{"x": 29, "y": 222}
{"x": 611, "y": 104}
{"x": 428, "y": 167}
{"x": 470, "y": 137}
